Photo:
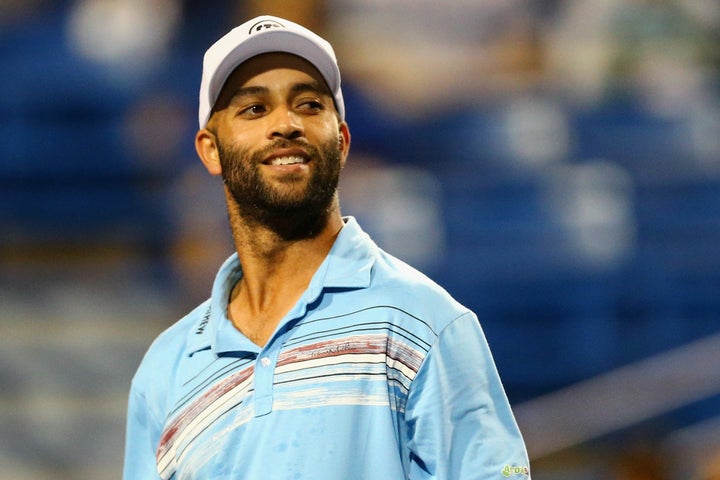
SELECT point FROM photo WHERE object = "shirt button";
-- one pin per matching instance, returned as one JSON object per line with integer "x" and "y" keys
{"x": 265, "y": 362}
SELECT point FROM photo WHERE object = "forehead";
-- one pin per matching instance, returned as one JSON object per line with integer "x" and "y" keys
{"x": 278, "y": 66}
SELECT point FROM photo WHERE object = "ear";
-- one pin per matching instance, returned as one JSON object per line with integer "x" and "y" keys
{"x": 206, "y": 147}
{"x": 344, "y": 138}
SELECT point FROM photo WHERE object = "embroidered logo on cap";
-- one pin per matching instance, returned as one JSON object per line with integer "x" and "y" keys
{"x": 264, "y": 25}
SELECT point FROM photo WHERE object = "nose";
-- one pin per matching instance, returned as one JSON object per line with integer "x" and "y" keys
{"x": 284, "y": 123}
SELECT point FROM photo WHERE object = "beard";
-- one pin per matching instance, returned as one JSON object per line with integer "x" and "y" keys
{"x": 297, "y": 212}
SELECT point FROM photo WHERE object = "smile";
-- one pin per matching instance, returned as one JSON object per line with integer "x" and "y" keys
{"x": 287, "y": 160}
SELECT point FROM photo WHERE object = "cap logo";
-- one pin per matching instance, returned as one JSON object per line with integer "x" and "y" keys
{"x": 264, "y": 25}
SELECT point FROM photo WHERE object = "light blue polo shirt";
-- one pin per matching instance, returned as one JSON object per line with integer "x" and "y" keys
{"x": 375, "y": 374}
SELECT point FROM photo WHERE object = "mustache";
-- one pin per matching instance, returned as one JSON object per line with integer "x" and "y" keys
{"x": 287, "y": 143}
{"x": 231, "y": 156}
{"x": 312, "y": 150}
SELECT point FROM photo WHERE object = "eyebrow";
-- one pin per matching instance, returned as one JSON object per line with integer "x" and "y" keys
{"x": 313, "y": 87}
{"x": 248, "y": 91}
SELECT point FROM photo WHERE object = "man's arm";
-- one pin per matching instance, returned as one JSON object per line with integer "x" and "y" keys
{"x": 141, "y": 439}
{"x": 459, "y": 419}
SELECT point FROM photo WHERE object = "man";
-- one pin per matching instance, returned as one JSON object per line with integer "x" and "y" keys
{"x": 318, "y": 355}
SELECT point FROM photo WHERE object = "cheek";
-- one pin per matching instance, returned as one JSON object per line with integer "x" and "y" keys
{"x": 239, "y": 134}
{"x": 326, "y": 134}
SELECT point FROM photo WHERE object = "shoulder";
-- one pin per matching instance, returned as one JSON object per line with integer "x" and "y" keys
{"x": 402, "y": 285}
{"x": 166, "y": 351}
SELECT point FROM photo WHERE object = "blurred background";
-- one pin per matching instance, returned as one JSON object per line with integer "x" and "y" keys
{"x": 555, "y": 164}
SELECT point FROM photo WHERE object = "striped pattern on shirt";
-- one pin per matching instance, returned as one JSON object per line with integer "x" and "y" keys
{"x": 327, "y": 362}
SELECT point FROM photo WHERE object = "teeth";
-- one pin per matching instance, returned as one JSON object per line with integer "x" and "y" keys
{"x": 287, "y": 160}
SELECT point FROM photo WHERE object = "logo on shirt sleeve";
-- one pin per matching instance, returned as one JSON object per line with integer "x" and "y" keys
{"x": 509, "y": 471}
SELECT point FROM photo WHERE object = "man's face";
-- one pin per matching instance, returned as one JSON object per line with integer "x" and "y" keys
{"x": 280, "y": 144}
{"x": 268, "y": 199}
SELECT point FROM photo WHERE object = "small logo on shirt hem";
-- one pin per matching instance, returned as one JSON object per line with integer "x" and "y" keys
{"x": 509, "y": 470}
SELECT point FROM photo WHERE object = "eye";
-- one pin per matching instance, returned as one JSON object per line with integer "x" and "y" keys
{"x": 311, "y": 105}
{"x": 254, "y": 110}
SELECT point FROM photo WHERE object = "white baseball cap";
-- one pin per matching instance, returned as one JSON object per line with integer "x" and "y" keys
{"x": 265, "y": 34}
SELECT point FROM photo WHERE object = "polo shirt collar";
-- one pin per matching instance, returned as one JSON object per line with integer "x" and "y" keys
{"x": 348, "y": 265}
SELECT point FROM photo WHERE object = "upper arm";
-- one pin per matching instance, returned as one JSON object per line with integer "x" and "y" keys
{"x": 141, "y": 439}
{"x": 460, "y": 425}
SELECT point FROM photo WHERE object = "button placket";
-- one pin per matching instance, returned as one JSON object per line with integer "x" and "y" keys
{"x": 264, "y": 378}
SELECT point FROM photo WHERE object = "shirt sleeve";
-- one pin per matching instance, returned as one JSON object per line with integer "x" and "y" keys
{"x": 141, "y": 439}
{"x": 460, "y": 425}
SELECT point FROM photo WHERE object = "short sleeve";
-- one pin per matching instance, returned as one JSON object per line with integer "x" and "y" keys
{"x": 141, "y": 439}
{"x": 459, "y": 421}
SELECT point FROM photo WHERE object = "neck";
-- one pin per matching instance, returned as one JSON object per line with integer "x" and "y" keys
{"x": 277, "y": 268}
{"x": 273, "y": 237}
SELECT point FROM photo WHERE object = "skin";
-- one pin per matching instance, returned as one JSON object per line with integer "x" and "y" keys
{"x": 275, "y": 105}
